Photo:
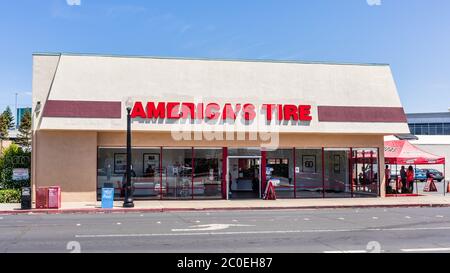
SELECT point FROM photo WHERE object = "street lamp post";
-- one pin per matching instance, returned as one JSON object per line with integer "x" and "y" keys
{"x": 128, "y": 202}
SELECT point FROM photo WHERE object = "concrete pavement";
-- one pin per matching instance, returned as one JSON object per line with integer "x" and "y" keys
{"x": 269, "y": 231}
{"x": 196, "y": 205}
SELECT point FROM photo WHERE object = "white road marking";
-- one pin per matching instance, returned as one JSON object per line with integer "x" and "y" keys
{"x": 197, "y": 221}
{"x": 119, "y": 223}
{"x": 142, "y": 215}
{"x": 78, "y": 225}
{"x": 259, "y": 232}
{"x": 426, "y": 250}
{"x": 159, "y": 222}
{"x": 235, "y": 220}
{"x": 341, "y": 218}
{"x": 408, "y": 217}
{"x": 345, "y": 251}
{"x": 306, "y": 219}
{"x": 439, "y": 216}
{"x": 210, "y": 227}
{"x": 375, "y": 218}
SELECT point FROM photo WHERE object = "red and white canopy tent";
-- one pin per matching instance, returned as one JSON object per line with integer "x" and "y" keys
{"x": 404, "y": 153}
{"x": 401, "y": 152}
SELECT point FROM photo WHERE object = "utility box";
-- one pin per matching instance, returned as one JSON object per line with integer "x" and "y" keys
{"x": 42, "y": 198}
{"x": 54, "y": 197}
{"x": 25, "y": 198}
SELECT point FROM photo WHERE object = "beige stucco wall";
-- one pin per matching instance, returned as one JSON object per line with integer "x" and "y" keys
{"x": 69, "y": 160}
{"x": 140, "y": 139}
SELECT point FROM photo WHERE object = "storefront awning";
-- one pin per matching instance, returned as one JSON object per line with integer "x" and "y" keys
{"x": 403, "y": 152}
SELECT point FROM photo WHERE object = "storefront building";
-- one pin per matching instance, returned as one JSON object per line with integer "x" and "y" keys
{"x": 211, "y": 129}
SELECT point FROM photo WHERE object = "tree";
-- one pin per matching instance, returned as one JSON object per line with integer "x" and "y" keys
{"x": 9, "y": 118}
{"x": 3, "y": 127}
{"x": 6, "y": 122}
{"x": 24, "y": 135}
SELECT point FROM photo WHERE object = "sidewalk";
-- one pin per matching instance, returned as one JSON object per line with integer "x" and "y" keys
{"x": 167, "y": 206}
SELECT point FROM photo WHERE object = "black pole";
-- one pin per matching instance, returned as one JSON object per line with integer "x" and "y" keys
{"x": 128, "y": 202}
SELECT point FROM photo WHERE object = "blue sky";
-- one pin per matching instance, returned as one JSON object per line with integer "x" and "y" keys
{"x": 413, "y": 36}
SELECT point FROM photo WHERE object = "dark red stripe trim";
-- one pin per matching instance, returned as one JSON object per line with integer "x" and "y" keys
{"x": 361, "y": 114}
{"x": 82, "y": 109}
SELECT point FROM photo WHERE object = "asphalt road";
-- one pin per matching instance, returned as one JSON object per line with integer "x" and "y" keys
{"x": 348, "y": 230}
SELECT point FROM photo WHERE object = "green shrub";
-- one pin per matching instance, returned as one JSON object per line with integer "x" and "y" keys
{"x": 13, "y": 157}
{"x": 9, "y": 196}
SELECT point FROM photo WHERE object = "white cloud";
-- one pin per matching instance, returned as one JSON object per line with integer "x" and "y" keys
{"x": 73, "y": 2}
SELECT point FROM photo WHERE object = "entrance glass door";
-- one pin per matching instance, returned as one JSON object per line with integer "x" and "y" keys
{"x": 244, "y": 177}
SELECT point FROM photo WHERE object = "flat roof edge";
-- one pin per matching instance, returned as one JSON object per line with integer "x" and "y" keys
{"x": 205, "y": 59}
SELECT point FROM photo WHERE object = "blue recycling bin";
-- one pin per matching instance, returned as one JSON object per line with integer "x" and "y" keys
{"x": 107, "y": 198}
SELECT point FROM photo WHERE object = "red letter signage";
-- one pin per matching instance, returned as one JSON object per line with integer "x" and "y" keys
{"x": 138, "y": 111}
{"x": 213, "y": 111}
{"x": 156, "y": 112}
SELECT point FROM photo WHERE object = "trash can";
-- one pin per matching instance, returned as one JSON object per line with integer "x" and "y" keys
{"x": 25, "y": 198}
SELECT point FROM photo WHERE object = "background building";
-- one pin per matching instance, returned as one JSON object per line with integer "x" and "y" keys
{"x": 20, "y": 113}
{"x": 434, "y": 124}
{"x": 433, "y": 134}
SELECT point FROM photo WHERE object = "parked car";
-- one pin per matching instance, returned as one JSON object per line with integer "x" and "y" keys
{"x": 439, "y": 176}
{"x": 419, "y": 174}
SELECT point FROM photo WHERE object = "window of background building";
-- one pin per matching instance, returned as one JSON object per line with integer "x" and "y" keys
{"x": 447, "y": 129}
{"x": 436, "y": 129}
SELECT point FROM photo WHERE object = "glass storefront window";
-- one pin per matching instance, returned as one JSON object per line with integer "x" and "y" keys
{"x": 177, "y": 173}
{"x": 207, "y": 173}
{"x": 308, "y": 173}
{"x": 111, "y": 168}
{"x": 196, "y": 173}
{"x": 337, "y": 181}
{"x": 280, "y": 166}
{"x": 244, "y": 152}
{"x": 365, "y": 177}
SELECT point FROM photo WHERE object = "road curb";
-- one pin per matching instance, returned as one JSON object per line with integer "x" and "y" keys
{"x": 159, "y": 210}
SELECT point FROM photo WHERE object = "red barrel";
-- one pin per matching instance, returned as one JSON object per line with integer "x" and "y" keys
{"x": 54, "y": 197}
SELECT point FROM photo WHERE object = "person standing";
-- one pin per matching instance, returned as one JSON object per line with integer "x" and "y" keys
{"x": 410, "y": 179}
{"x": 403, "y": 179}
{"x": 387, "y": 177}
